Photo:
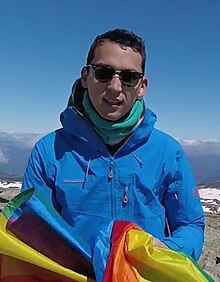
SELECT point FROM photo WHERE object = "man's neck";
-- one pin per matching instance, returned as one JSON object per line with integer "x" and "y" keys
{"x": 114, "y": 148}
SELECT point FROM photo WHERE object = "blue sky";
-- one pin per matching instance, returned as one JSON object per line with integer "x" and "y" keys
{"x": 44, "y": 44}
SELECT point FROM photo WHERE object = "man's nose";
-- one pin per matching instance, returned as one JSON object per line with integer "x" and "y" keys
{"x": 115, "y": 84}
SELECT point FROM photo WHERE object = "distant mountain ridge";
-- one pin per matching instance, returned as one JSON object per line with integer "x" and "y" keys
{"x": 204, "y": 156}
{"x": 15, "y": 148}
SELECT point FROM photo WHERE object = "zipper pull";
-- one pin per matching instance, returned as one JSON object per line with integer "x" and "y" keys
{"x": 125, "y": 197}
{"x": 110, "y": 175}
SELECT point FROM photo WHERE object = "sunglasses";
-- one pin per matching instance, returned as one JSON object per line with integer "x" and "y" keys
{"x": 105, "y": 74}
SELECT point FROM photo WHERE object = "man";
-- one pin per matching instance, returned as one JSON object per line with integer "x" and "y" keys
{"x": 109, "y": 162}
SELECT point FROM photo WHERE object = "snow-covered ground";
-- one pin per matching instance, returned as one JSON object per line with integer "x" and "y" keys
{"x": 7, "y": 184}
{"x": 210, "y": 197}
{"x": 209, "y": 193}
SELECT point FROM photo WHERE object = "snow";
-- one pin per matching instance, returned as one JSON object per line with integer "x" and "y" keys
{"x": 209, "y": 193}
{"x": 6, "y": 184}
{"x": 206, "y": 209}
{"x": 212, "y": 202}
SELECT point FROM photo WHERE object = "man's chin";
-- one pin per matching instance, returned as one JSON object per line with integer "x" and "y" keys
{"x": 112, "y": 116}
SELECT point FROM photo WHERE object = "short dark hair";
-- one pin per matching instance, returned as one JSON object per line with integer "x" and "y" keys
{"x": 123, "y": 37}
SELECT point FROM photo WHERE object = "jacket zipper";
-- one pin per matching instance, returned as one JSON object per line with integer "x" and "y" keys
{"x": 110, "y": 179}
{"x": 125, "y": 200}
{"x": 125, "y": 196}
{"x": 111, "y": 174}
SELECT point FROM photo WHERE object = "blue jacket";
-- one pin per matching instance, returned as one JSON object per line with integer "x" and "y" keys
{"x": 148, "y": 181}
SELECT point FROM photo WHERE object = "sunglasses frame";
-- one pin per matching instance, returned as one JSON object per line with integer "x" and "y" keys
{"x": 119, "y": 72}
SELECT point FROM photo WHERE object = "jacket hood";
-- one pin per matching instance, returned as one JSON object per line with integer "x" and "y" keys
{"x": 76, "y": 96}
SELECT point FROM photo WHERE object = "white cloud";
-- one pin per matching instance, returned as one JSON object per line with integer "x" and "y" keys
{"x": 3, "y": 157}
{"x": 195, "y": 142}
{"x": 19, "y": 140}
{"x": 203, "y": 147}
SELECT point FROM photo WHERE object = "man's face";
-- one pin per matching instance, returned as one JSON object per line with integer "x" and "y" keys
{"x": 112, "y": 100}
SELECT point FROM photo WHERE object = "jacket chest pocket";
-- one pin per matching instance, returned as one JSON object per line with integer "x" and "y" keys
{"x": 139, "y": 204}
{"x": 88, "y": 196}
{"x": 125, "y": 186}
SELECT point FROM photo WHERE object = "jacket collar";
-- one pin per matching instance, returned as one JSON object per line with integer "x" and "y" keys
{"x": 75, "y": 124}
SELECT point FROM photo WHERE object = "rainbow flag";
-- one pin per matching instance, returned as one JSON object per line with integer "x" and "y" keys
{"x": 133, "y": 258}
{"x": 36, "y": 244}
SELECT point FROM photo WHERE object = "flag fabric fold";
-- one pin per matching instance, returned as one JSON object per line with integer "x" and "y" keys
{"x": 133, "y": 258}
{"x": 36, "y": 244}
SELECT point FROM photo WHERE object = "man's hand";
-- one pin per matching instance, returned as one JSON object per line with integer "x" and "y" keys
{"x": 158, "y": 243}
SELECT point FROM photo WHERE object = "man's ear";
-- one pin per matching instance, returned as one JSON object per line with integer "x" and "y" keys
{"x": 84, "y": 74}
{"x": 143, "y": 88}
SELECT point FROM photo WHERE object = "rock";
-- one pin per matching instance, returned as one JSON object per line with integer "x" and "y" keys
{"x": 211, "y": 248}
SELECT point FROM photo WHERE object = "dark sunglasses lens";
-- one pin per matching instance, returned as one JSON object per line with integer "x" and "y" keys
{"x": 130, "y": 78}
{"x": 104, "y": 74}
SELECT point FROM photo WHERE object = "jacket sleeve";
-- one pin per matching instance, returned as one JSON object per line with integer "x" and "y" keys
{"x": 184, "y": 212}
{"x": 40, "y": 173}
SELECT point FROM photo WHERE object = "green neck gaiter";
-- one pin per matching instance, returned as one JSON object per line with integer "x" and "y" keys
{"x": 113, "y": 132}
